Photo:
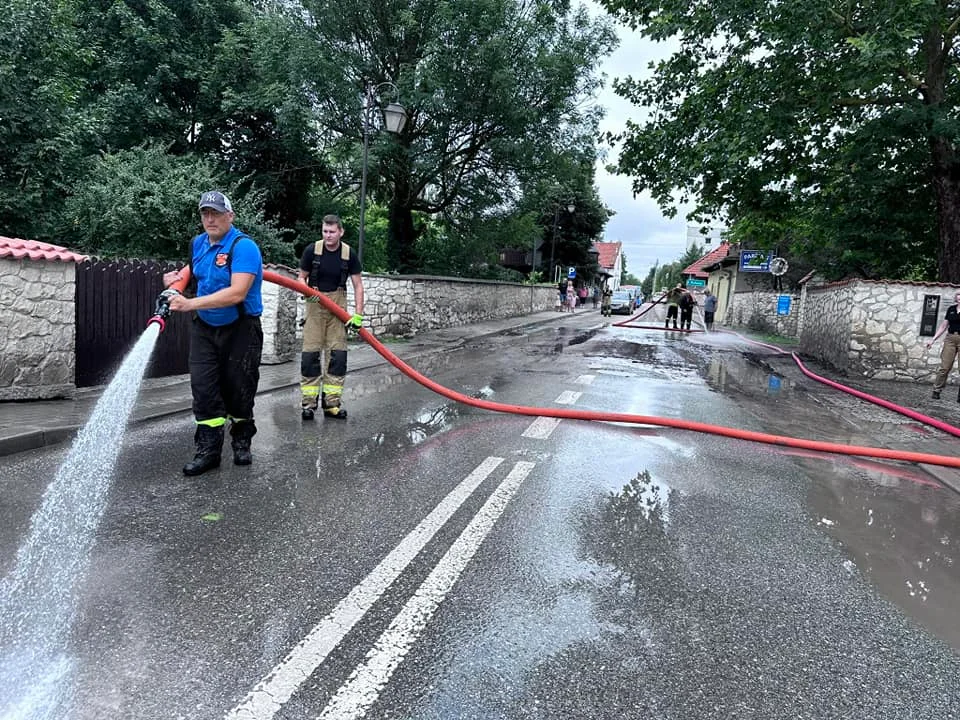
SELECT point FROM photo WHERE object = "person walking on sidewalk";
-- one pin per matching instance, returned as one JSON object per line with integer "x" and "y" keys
{"x": 951, "y": 346}
{"x": 325, "y": 266}
{"x": 226, "y": 340}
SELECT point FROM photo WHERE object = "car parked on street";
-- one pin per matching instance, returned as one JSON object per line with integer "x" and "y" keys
{"x": 621, "y": 303}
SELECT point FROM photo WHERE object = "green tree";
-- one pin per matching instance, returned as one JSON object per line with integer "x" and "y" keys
{"x": 41, "y": 61}
{"x": 491, "y": 88}
{"x": 152, "y": 200}
{"x": 209, "y": 77}
{"x": 802, "y": 120}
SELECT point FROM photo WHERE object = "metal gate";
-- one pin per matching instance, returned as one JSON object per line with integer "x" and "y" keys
{"x": 114, "y": 300}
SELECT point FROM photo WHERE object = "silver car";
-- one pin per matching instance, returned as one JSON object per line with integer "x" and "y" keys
{"x": 621, "y": 303}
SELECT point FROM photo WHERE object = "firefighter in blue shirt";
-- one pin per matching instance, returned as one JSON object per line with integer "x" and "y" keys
{"x": 226, "y": 339}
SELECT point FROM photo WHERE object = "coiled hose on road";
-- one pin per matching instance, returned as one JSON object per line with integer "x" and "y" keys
{"x": 572, "y": 414}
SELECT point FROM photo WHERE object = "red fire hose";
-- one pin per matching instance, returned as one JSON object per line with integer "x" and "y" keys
{"x": 572, "y": 414}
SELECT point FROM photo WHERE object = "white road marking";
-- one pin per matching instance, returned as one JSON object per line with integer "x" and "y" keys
{"x": 541, "y": 428}
{"x": 363, "y": 686}
{"x": 584, "y": 380}
{"x": 568, "y": 397}
{"x": 268, "y": 697}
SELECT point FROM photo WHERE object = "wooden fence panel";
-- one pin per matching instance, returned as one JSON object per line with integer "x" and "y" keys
{"x": 114, "y": 300}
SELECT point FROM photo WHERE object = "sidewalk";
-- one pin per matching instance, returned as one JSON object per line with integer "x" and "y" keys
{"x": 35, "y": 424}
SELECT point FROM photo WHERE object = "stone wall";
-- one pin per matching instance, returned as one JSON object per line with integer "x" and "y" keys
{"x": 36, "y": 329}
{"x": 757, "y": 310}
{"x": 279, "y": 319}
{"x": 402, "y": 306}
{"x": 873, "y": 328}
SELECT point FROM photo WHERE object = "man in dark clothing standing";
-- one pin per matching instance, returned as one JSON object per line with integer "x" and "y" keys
{"x": 686, "y": 309}
{"x": 325, "y": 266}
{"x": 226, "y": 339}
{"x": 951, "y": 346}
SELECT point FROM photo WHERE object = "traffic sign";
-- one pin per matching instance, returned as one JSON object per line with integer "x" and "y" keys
{"x": 571, "y": 272}
{"x": 696, "y": 283}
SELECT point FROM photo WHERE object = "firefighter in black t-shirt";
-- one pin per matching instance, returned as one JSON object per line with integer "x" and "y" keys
{"x": 326, "y": 265}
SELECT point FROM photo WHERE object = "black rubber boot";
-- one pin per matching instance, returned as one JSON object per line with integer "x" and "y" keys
{"x": 209, "y": 442}
{"x": 241, "y": 432}
{"x": 336, "y": 412}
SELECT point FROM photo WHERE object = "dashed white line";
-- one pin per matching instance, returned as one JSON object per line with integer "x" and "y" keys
{"x": 270, "y": 694}
{"x": 584, "y": 380}
{"x": 364, "y": 685}
{"x": 541, "y": 428}
{"x": 568, "y": 397}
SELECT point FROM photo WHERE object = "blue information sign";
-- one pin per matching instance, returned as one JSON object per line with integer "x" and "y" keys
{"x": 571, "y": 272}
{"x": 783, "y": 305}
{"x": 754, "y": 261}
{"x": 696, "y": 283}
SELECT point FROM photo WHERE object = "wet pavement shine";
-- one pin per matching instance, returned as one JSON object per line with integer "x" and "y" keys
{"x": 635, "y": 571}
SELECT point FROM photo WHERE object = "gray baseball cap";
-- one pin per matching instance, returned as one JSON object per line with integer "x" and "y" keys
{"x": 216, "y": 201}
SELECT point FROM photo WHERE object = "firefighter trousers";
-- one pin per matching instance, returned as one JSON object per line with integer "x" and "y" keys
{"x": 225, "y": 370}
{"x": 323, "y": 362}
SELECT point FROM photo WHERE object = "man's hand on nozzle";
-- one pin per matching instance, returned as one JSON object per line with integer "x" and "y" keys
{"x": 355, "y": 322}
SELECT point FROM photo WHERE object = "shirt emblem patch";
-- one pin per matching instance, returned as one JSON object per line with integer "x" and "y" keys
{"x": 220, "y": 260}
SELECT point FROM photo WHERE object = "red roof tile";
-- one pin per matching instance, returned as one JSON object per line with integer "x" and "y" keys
{"x": 608, "y": 253}
{"x": 695, "y": 268}
{"x": 33, "y": 250}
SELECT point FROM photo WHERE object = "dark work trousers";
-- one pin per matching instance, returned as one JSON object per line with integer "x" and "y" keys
{"x": 225, "y": 368}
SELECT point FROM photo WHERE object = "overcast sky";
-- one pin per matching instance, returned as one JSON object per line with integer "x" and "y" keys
{"x": 647, "y": 235}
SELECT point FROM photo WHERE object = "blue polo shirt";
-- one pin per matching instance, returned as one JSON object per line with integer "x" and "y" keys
{"x": 210, "y": 270}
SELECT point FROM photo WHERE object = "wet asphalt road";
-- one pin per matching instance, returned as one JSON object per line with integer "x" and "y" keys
{"x": 595, "y": 570}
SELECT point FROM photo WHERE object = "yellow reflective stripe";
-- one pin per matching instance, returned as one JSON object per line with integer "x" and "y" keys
{"x": 213, "y": 422}
{"x": 310, "y": 390}
{"x": 332, "y": 389}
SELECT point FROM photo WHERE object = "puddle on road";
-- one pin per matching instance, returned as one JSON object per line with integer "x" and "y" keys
{"x": 901, "y": 531}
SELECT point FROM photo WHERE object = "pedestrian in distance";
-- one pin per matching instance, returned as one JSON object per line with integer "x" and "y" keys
{"x": 606, "y": 302}
{"x": 325, "y": 266}
{"x": 595, "y": 295}
{"x": 571, "y": 296}
{"x": 562, "y": 287}
{"x": 951, "y": 346}
{"x": 709, "y": 309}
{"x": 673, "y": 306}
{"x": 226, "y": 340}
{"x": 686, "y": 303}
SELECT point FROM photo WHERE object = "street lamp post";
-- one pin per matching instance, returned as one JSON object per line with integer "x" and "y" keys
{"x": 395, "y": 117}
{"x": 553, "y": 241}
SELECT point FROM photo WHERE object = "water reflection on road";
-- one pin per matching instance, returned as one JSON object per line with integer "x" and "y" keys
{"x": 901, "y": 532}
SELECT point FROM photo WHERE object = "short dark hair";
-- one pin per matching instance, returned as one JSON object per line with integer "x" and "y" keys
{"x": 333, "y": 220}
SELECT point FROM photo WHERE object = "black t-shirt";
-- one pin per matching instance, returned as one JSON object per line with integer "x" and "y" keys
{"x": 325, "y": 270}
{"x": 953, "y": 320}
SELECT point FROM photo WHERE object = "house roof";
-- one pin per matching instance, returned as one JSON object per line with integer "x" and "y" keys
{"x": 697, "y": 268}
{"x": 608, "y": 253}
{"x": 33, "y": 250}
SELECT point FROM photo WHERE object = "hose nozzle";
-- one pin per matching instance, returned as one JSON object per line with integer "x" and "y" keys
{"x": 162, "y": 309}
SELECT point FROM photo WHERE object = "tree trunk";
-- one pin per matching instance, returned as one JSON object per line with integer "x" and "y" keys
{"x": 946, "y": 185}
{"x": 402, "y": 235}
{"x": 401, "y": 239}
